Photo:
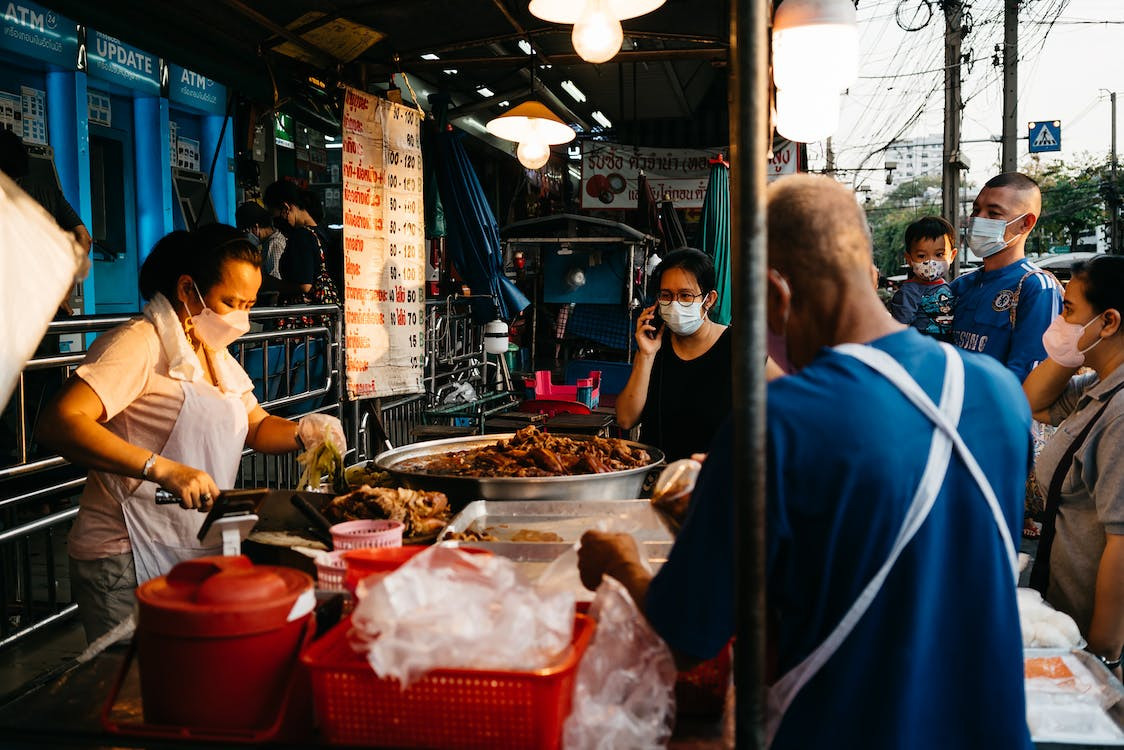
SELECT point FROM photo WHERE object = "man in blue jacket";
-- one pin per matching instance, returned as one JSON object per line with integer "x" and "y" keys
{"x": 1004, "y": 308}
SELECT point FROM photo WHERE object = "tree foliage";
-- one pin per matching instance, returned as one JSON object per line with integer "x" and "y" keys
{"x": 1072, "y": 199}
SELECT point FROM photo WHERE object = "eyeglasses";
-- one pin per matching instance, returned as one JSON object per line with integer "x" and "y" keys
{"x": 684, "y": 298}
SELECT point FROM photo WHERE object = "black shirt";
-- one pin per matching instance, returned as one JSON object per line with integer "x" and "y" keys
{"x": 48, "y": 195}
{"x": 687, "y": 399}
{"x": 301, "y": 261}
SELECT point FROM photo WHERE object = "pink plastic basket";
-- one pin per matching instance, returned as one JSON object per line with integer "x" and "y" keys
{"x": 331, "y": 571}
{"x": 363, "y": 534}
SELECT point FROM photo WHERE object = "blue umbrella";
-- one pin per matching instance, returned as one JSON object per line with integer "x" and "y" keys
{"x": 472, "y": 237}
{"x": 714, "y": 234}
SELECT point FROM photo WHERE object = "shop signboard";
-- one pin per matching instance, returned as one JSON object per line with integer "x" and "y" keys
{"x": 611, "y": 173}
{"x": 30, "y": 30}
{"x": 112, "y": 60}
{"x": 196, "y": 91}
{"x": 384, "y": 247}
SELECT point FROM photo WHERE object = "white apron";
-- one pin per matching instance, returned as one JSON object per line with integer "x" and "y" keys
{"x": 209, "y": 435}
{"x": 945, "y": 439}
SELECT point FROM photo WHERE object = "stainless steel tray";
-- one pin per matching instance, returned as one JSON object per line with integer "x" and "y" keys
{"x": 612, "y": 485}
{"x": 568, "y": 519}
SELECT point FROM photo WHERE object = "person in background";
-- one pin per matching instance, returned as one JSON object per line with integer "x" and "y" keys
{"x": 331, "y": 241}
{"x": 856, "y": 592}
{"x": 16, "y": 163}
{"x": 924, "y": 300}
{"x": 159, "y": 402}
{"x": 1080, "y": 562}
{"x": 252, "y": 218}
{"x": 1003, "y": 308}
{"x": 679, "y": 388}
{"x": 303, "y": 260}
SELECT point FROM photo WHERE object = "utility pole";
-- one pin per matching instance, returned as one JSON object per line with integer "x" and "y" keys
{"x": 1010, "y": 159}
{"x": 1113, "y": 198}
{"x": 950, "y": 180}
{"x": 830, "y": 156}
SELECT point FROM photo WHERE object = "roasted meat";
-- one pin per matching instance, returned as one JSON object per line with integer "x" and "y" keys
{"x": 423, "y": 513}
{"x": 530, "y": 453}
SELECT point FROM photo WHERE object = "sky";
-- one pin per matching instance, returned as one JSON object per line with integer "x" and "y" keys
{"x": 1064, "y": 67}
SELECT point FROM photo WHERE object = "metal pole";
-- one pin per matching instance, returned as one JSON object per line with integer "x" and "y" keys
{"x": 1010, "y": 159}
{"x": 950, "y": 181}
{"x": 749, "y": 153}
{"x": 1113, "y": 198}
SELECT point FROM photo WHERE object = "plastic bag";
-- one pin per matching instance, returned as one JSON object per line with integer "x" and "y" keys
{"x": 1043, "y": 626}
{"x": 672, "y": 493}
{"x": 563, "y": 575}
{"x": 448, "y": 608}
{"x": 624, "y": 694}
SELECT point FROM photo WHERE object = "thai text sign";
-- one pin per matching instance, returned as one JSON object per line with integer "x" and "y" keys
{"x": 610, "y": 173}
{"x": 383, "y": 239}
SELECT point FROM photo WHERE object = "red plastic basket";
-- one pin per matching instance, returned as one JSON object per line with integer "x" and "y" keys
{"x": 365, "y": 534}
{"x": 449, "y": 708}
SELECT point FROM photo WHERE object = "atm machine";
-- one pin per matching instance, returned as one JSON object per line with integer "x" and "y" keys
{"x": 192, "y": 207}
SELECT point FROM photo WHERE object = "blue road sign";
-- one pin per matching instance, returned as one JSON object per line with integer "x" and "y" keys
{"x": 1044, "y": 136}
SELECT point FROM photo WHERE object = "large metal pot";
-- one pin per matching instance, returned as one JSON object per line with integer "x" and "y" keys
{"x": 614, "y": 485}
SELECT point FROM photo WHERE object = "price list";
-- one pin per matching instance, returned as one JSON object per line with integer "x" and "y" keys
{"x": 383, "y": 235}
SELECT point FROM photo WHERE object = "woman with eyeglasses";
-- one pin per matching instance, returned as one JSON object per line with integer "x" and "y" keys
{"x": 679, "y": 389}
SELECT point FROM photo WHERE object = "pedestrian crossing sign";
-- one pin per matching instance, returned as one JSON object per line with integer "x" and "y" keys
{"x": 1045, "y": 136}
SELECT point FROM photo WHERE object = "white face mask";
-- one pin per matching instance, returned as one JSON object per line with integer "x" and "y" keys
{"x": 986, "y": 236}
{"x": 929, "y": 270}
{"x": 219, "y": 331}
{"x": 683, "y": 320}
{"x": 1061, "y": 339}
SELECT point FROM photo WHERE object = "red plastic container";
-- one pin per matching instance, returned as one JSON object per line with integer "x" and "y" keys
{"x": 362, "y": 563}
{"x": 363, "y": 534}
{"x": 449, "y": 708}
{"x": 217, "y": 639}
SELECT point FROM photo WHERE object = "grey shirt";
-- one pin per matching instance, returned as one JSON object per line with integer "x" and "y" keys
{"x": 1092, "y": 494}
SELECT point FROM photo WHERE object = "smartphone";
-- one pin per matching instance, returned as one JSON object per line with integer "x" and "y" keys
{"x": 655, "y": 323}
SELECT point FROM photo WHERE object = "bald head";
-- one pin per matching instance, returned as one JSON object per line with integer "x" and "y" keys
{"x": 1008, "y": 195}
{"x": 817, "y": 233}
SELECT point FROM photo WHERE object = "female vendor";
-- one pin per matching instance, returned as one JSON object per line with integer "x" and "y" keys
{"x": 160, "y": 402}
{"x": 1082, "y": 571}
{"x": 680, "y": 383}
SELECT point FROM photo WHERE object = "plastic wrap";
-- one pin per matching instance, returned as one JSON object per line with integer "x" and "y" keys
{"x": 1069, "y": 701}
{"x": 672, "y": 493}
{"x": 448, "y": 608}
{"x": 624, "y": 695}
{"x": 1044, "y": 627}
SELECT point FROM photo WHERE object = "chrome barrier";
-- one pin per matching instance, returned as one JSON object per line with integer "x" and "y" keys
{"x": 298, "y": 371}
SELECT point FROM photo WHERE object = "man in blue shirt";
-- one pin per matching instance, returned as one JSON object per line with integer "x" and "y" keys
{"x": 934, "y": 659}
{"x": 1004, "y": 308}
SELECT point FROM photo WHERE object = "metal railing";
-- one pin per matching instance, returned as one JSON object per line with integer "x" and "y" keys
{"x": 295, "y": 371}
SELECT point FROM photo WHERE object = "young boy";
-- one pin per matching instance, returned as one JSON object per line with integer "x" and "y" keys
{"x": 924, "y": 300}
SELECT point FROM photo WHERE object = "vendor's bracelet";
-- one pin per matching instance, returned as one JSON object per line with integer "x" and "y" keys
{"x": 148, "y": 464}
{"x": 1110, "y": 664}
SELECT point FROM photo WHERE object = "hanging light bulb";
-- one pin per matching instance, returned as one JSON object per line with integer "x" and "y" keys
{"x": 597, "y": 36}
{"x": 808, "y": 81}
{"x": 535, "y": 128}
{"x": 532, "y": 154}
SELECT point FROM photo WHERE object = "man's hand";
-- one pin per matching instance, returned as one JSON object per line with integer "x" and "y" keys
{"x": 602, "y": 554}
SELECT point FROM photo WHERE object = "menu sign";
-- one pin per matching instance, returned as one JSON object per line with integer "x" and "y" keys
{"x": 383, "y": 239}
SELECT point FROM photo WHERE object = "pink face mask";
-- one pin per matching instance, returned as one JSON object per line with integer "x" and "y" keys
{"x": 219, "y": 331}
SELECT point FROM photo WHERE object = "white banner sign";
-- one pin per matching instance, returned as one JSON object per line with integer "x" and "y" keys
{"x": 611, "y": 172}
{"x": 383, "y": 236}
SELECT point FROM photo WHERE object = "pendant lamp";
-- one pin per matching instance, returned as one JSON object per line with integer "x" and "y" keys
{"x": 597, "y": 34}
{"x": 808, "y": 80}
{"x": 535, "y": 128}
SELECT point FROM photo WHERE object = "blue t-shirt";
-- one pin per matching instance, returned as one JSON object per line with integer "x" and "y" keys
{"x": 927, "y": 306}
{"x": 936, "y": 662}
{"x": 982, "y": 314}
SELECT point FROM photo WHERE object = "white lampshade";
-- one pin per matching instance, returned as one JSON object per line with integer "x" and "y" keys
{"x": 533, "y": 155}
{"x": 807, "y": 116}
{"x": 531, "y": 122}
{"x": 597, "y": 37}
{"x": 815, "y": 44}
{"x": 571, "y": 11}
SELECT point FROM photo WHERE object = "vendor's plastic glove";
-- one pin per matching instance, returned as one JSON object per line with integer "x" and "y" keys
{"x": 313, "y": 428}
